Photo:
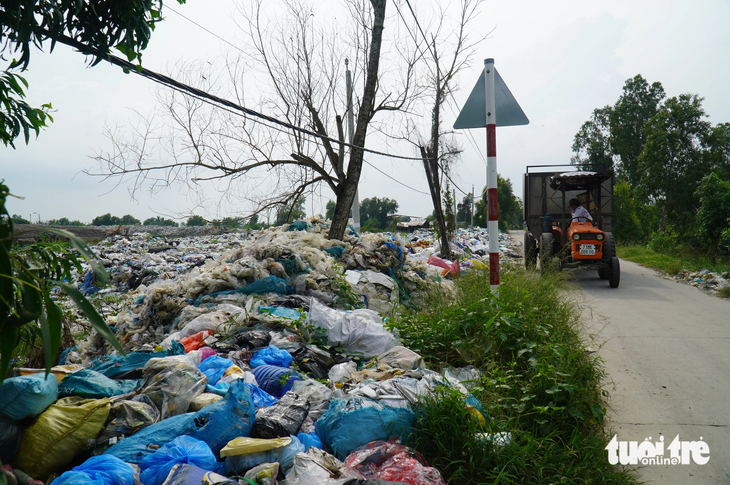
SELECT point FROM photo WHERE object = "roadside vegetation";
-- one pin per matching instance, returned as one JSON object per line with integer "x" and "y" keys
{"x": 540, "y": 391}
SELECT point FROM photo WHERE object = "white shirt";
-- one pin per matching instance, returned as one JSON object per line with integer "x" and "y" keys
{"x": 581, "y": 214}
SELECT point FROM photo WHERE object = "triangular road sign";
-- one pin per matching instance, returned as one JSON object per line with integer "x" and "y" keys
{"x": 507, "y": 111}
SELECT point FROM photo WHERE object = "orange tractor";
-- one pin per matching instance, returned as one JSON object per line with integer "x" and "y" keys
{"x": 553, "y": 238}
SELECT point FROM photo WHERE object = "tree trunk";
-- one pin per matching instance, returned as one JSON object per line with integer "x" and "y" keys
{"x": 431, "y": 167}
{"x": 364, "y": 115}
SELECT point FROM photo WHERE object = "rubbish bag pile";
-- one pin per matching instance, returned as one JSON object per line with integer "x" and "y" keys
{"x": 229, "y": 347}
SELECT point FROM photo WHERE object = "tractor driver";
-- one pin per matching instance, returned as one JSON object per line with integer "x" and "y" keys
{"x": 580, "y": 213}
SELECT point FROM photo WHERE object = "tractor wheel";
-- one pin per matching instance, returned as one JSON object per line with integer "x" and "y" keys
{"x": 546, "y": 252}
{"x": 609, "y": 251}
{"x": 530, "y": 250}
{"x": 614, "y": 275}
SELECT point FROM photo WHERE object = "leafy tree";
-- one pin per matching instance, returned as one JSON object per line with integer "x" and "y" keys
{"x": 106, "y": 220}
{"x": 713, "y": 216}
{"x": 591, "y": 144}
{"x": 19, "y": 220}
{"x": 510, "y": 207}
{"x": 464, "y": 209}
{"x": 160, "y": 221}
{"x": 129, "y": 220}
{"x": 637, "y": 104}
{"x": 628, "y": 226}
{"x": 196, "y": 221}
{"x": 675, "y": 158}
{"x": 99, "y": 26}
{"x": 286, "y": 214}
{"x": 330, "y": 209}
{"x": 29, "y": 276}
{"x": 375, "y": 211}
{"x": 64, "y": 221}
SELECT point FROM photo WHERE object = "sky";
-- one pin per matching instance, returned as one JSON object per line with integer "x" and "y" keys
{"x": 561, "y": 60}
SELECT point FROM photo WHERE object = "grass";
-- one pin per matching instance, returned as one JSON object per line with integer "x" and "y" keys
{"x": 678, "y": 260}
{"x": 538, "y": 384}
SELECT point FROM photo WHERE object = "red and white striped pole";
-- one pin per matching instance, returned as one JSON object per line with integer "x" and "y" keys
{"x": 492, "y": 204}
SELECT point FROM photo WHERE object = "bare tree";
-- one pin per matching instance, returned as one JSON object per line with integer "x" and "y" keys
{"x": 295, "y": 68}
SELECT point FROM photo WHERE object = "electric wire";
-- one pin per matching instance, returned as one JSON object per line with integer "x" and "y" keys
{"x": 207, "y": 30}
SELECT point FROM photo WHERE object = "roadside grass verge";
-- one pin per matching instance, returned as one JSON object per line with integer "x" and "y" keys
{"x": 674, "y": 262}
{"x": 540, "y": 390}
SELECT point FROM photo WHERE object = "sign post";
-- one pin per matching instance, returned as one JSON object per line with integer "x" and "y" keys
{"x": 489, "y": 96}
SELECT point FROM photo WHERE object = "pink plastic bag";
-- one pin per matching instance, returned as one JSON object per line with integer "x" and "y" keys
{"x": 450, "y": 268}
{"x": 391, "y": 461}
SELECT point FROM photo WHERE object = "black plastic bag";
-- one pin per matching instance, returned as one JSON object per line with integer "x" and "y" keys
{"x": 308, "y": 363}
{"x": 9, "y": 439}
{"x": 283, "y": 419}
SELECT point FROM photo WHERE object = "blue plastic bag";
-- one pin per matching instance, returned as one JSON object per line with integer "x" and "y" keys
{"x": 214, "y": 367}
{"x": 98, "y": 470}
{"x": 283, "y": 455}
{"x": 261, "y": 398}
{"x": 309, "y": 440}
{"x": 353, "y": 422}
{"x": 90, "y": 384}
{"x": 157, "y": 466}
{"x": 280, "y": 311}
{"x": 270, "y": 284}
{"x": 27, "y": 396}
{"x": 275, "y": 380}
{"x": 271, "y": 355}
{"x": 216, "y": 424}
{"x": 133, "y": 363}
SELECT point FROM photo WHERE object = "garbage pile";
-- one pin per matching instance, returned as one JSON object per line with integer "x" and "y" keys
{"x": 259, "y": 360}
{"x": 705, "y": 279}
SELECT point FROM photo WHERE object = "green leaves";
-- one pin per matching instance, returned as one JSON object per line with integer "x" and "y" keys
{"x": 17, "y": 116}
{"x": 90, "y": 312}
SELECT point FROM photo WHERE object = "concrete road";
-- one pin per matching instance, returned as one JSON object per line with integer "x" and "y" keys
{"x": 666, "y": 346}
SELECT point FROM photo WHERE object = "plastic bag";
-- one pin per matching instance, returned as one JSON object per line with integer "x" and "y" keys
{"x": 202, "y": 400}
{"x": 157, "y": 466}
{"x": 282, "y": 312}
{"x": 271, "y": 355}
{"x": 214, "y": 367}
{"x": 452, "y": 269}
{"x": 171, "y": 383}
{"x": 90, "y": 384}
{"x": 263, "y": 474}
{"x": 131, "y": 365}
{"x": 402, "y": 358}
{"x": 275, "y": 380}
{"x": 195, "y": 341}
{"x": 310, "y": 439}
{"x": 185, "y": 474}
{"x": 98, "y": 470}
{"x": 314, "y": 466}
{"x": 126, "y": 418}
{"x": 351, "y": 423}
{"x": 245, "y": 445}
{"x": 214, "y": 321}
{"x": 341, "y": 373}
{"x": 216, "y": 424}
{"x": 284, "y": 418}
{"x": 358, "y": 331}
{"x": 387, "y": 460}
{"x": 27, "y": 396}
{"x": 308, "y": 362}
{"x": 270, "y": 284}
{"x": 283, "y": 455}
{"x": 10, "y": 434}
{"x": 63, "y": 430}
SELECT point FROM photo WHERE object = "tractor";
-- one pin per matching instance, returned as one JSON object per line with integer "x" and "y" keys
{"x": 552, "y": 238}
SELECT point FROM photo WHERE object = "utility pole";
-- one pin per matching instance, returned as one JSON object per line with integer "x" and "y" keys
{"x": 351, "y": 132}
{"x": 456, "y": 214}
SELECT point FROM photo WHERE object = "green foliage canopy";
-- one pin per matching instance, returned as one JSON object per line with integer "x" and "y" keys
{"x": 160, "y": 221}
{"x": 374, "y": 212}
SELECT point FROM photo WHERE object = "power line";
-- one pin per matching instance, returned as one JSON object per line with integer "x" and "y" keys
{"x": 207, "y": 30}
{"x": 172, "y": 83}
{"x": 395, "y": 179}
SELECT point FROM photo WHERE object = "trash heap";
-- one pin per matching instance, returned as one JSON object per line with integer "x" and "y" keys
{"x": 259, "y": 360}
{"x": 706, "y": 280}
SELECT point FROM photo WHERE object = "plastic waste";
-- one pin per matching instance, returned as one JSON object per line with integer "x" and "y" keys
{"x": 27, "y": 396}
{"x": 314, "y": 466}
{"x": 452, "y": 269}
{"x": 131, "y": 365}
{"x": 157, "y": 466}
{"x": 388, "y": 460}
{"x": 10, "y": 434}
{"x": 195, "y": 341}
{"x": 263, "y": 474}
{"x": 380, "y": 291}
{"x": 98, "y": 470}
{"x": 246, "y": 445}
{"x": 284, "y": 418}
{"x": 310, "y": 439}
{"x": 185, "y": 474}
{"x": 271, "y": 355}
{"x": 275, "y": 380}
{"x": 214, "y": 367}
{"x": 216, "y": 424}
{"x": 353, "y": 422}
{"x": 342, "y": 373}
{"x": 270, "y": 284}
{"x": 126, "y": 418}
{"x": 359, "y": 331}
{"x": 171, "y": 383}
{"x": 61, "y": 432}
{"x": 402, "y": 358}
{"x": 308, "y": 362}
{"x": 202, "y": 400}
{"x": 213, "y": 321}
{"x": 283, "y": 455}
{"x": 90, "y": 384}
{"x": 282, "y": 312}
